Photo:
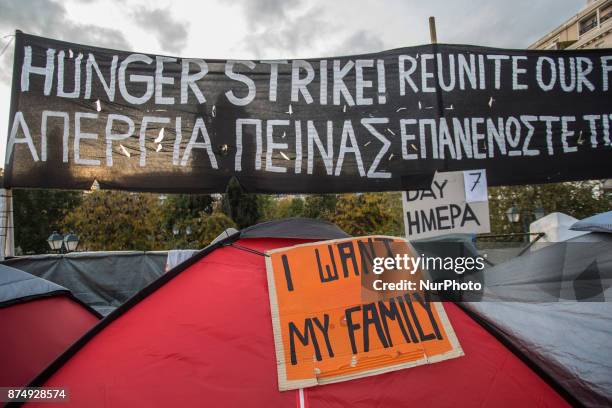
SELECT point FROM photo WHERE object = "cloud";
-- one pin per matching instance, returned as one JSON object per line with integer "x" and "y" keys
{"x": 171, "y": 34}
{"x": 361, "y": 42}
{"x": 279, "y": 28}
{"x": 259, "y": 12}
{"x": 49, "y": 19}
{"x": 286, "y": 37}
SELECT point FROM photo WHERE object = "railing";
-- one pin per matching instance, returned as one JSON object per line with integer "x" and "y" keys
{"x": 587, "y": 27}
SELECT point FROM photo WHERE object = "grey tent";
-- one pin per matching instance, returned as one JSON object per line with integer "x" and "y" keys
{"x": 98, "y": 279}
{"x": 553, "y": 305}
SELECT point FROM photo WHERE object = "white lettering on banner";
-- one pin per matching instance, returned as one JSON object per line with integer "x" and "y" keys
{"x": 146, "y": 79}
{"x": 199, "y": 128}
{"x": 299, "y": 84}
{"x": 78, "y": 136}
{"x": 229, "y": 71}
{"x": 109, "y": 86}
{"x": 20, "y": 123}
{"x": 417, "y": 73}
{"x": 161, "y": 80}
{"x": 273, "y": 78}
{"x": 387, "y": 118}
{"x": 43, "y": 133}
{"x": 28, "y": 69}
{"x": 111, "y": 136}
{"x": 444, "y": 138}
{"x": 76, "y": 92}
{"x": 190, "y": 81}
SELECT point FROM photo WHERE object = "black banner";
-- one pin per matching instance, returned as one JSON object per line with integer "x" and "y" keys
{"x": 384, "y": 121}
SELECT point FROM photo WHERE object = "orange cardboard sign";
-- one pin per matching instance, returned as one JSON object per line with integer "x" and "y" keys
{"x": 329, "y": 323}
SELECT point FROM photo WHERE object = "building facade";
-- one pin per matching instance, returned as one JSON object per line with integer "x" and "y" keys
{"x": 590, "y": 28}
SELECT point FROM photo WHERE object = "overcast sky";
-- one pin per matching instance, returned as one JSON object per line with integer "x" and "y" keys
{"x": 272, "y": 29}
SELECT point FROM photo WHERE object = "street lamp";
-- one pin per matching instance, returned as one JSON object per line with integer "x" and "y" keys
{"x": 182, "y": 236}
{"x": 513, "y": 214}
{"x": 61, "y": 243}
{"x": 71, "y": 242}
{"x": 55, "y": 241}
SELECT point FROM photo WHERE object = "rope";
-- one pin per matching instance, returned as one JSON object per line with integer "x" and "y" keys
{"x": 8, "y": 43}
{"x": 246, "y": 249}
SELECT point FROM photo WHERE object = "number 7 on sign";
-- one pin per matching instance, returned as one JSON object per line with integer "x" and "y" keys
{"x": 475, "y": 185}
{"x": 478, "y": 175}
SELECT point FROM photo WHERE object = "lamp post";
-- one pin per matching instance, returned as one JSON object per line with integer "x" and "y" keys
{"x": 61, "y": 243}
{"x": 177, "y": 232}
{"x": 607, "y": 188}
{"x": 539, "y": 212}
{"x": 514, "y": 215}
{"x": 55, "y": 241}
{"x": 71, "y": 242}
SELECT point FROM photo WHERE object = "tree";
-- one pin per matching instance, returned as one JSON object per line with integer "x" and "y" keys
{"x": 241, "y": 207}
{"x": 211, "y": 225}
{"x": 268, "y": 207}
{"x": 37, "y": 213}
{"x": 369, "y": 213}
{"x": 579, "y": 199}
{"x": 320, "y": 206}
{"x": 288, "y": 207}
{"x": 184, "y": 211}
{"x": 117, "y": 220}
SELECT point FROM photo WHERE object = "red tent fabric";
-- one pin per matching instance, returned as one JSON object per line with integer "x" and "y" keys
{"x": 35, "y": 332}
{"x": 204, "y": 338}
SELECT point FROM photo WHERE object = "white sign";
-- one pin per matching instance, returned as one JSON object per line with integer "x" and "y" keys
{"x": 457, "y": 202}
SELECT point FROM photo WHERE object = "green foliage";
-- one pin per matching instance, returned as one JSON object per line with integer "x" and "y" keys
{"x": 578, "y": 199}
{"x": 183, "y": 211}
{"x": 116, "y": 220}
{"x": 267, "y": 205}
{"x": 320, "y": 206}
{"x": 369, "y": 213}
{"x": 210, "y": 226}
{"x": 113, "y": 220}
{"x": 37, "y": 213}
{"x": 288, "y": 207}
{"x": 187, "y": 206}
{"x": 241, "y": 207}
{"x": 107, "y": 220}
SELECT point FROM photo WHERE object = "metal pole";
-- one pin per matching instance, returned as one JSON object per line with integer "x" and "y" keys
{"x": 526, "y": 218}
{"x": 3, "y": 223}
{"x": 432, "y": 30}
{"x": 434, "y": 40}
{"x": 7, "y": 237}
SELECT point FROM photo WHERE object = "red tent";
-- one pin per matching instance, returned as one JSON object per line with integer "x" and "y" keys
{"x": 201, "y": 335}
{"x": 39, "y": 320}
